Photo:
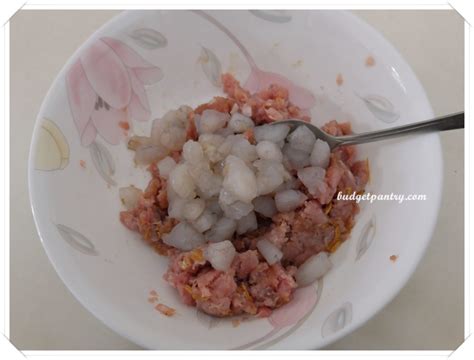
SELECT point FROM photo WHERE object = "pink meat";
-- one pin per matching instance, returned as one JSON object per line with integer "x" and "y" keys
{"x": 149, "y": 212}
{"x": 181, "y": 270}
{"x": 343, "y": 213}
{"x": 313, "y": 212}
{"x": 271, "y": 285}
{"x": 299, "y": 233}
{"x": 179, "y": 280}
{"x": 153, "y": 170}
{"x": 242, "y": 301}
{"x": 268, "y": 105}
{"x": 278, "y": 233}
{"x": 308, "y": 232}
{"x": 152, "y": 189}
{"x": 334, "y": 174}
{"x": 361, "y": 172}
{"x": 337, "y": 129}
{"x": 191, "y": 131}
{"x": 244, "y": 263}
{"x": 217, "y": 293}
{"x": 348, "y": 182}
{"x": 212, "y": 290}
{"x": 264, "y": 312}
{"x": 129, "y": 219}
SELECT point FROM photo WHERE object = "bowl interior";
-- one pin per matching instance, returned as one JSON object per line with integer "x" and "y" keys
{"x": 74, "y": 185}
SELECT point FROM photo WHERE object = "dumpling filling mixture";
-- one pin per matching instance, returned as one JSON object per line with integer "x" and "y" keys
{"x": 245, "y": 211}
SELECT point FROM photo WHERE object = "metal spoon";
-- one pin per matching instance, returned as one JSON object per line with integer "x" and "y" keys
{"x": 448, "y": 122}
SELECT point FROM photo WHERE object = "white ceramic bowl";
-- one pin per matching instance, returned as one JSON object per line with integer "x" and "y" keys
{"x": 147, "y": 62}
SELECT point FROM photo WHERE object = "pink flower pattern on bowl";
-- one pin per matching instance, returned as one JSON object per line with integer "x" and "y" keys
{"x": 289, "y": 317}
{"x": 303, "y": 301}
{"x": 106, "y": 88}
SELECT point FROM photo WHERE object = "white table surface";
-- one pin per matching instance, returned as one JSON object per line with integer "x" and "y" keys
{"x": 427, "y": 314}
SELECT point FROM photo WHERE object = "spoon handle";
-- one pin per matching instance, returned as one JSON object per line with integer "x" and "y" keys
{"x": 448, "y": 122}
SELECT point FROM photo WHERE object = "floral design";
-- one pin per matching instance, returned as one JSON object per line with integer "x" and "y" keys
{"x": 295, "y": 310}
{"x": 211, "y": 66}
{"x": 149, "y": 38}
{"x": 52, "y": 149}
{"x": 276, "y": 16}
{"x": 381, "y": 108}
{"x": 106, "y": 87}
{"x": 366, "y": 237}
{"x": 259, "y": 79}
{"x": 103, "y": 162}
{"x": 337, "y": 320}
{"x": 77, "y": 240}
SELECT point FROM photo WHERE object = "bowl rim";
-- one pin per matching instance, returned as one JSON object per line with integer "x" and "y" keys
{"x": 384, "y": 300}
